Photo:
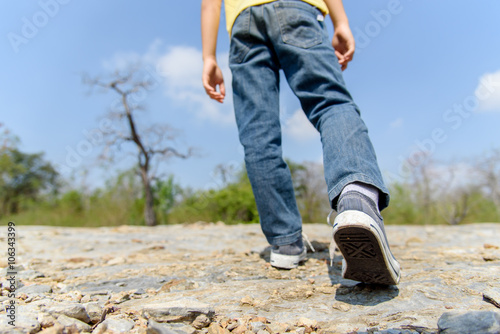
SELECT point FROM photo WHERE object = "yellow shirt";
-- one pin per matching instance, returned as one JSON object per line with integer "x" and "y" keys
{"x": 235, "y": 7}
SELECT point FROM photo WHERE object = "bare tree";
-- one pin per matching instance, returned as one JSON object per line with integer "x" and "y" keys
{"x": 489, "y": 170}
{"x": 421, "y": 179}
{"x": 310, "y": 190}
{"x": 153, "y": 144}
{"x": 454, "y": 197}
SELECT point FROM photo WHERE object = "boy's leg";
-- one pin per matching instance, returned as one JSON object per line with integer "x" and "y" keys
{"x": 313, "y": 73}
{"x": 304, "y": 51}
{"x": 256, "y": 102}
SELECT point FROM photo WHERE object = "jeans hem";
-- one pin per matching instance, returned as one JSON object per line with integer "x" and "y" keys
{"x": 284, "y": 239}
{"x": 334, "y": 193}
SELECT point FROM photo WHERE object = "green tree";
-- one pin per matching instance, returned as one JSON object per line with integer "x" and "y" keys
{"x": 24, "y": 176}
{"x": 166, "y": 193}
{"x": 232, "y": 203}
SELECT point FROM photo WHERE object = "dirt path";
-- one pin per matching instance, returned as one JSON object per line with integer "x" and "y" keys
{"x": 216, "y": 278}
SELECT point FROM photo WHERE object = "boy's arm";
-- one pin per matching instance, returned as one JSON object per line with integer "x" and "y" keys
{"x": 343, "y": 40}
{"x": 212, "y": 74}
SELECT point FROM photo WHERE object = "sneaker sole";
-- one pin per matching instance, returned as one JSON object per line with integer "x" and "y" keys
{"x": 367, "y": 257}
{"x": 287, "y": 261}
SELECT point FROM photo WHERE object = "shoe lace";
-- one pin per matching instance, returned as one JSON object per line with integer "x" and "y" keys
{"x": 328, "y": 218}
{"x": 332, "y": 246}
{"x": 304, "y": 237}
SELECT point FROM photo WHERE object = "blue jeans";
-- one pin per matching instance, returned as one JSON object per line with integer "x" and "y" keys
{"x": 287, "y": 35}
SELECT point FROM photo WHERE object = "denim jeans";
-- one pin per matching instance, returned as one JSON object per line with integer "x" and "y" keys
{"x": 290, "y": 35}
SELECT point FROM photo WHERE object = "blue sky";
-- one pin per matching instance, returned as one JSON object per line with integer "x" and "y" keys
{"x": 426, "y": 75}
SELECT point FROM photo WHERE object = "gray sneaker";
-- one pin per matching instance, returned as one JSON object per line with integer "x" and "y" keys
{"x": 289, "y": 256}
{"x": 359, "y": 233}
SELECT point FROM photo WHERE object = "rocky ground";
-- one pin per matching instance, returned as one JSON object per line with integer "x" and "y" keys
{"x": 213, "y": 278}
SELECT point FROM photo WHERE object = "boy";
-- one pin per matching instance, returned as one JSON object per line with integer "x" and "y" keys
{"x": 269, "y": 35}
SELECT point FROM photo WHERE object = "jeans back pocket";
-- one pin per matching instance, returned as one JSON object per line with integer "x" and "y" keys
{"x": 299, "y": 24}
{"x": 239, "y": 34}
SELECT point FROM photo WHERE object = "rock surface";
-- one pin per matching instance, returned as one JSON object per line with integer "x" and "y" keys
{"x": 480, "y": 321}
{"x": 212, "y": 278}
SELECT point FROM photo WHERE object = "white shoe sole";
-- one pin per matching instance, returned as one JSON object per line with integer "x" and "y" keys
{"x": 287, "y": 261}
{"x": 367, "y": 256}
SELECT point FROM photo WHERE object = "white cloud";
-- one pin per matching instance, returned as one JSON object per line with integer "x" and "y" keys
{"x": 488, "y": 92}
{"x": 299, "y": 127}
{"x": 397, "y": 123}
{"x": 122, "y": 60}
{"x": 180, "y": 68}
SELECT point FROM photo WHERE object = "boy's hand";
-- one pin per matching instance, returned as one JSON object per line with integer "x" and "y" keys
{"x": 212, "y": 77}
{"x": 344, "y": 45}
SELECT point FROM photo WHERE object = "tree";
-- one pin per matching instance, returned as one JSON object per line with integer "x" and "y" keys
{"x": 23, "y": 176}
{"x": 310, "y": 191}
{"x": 488, "y": 168}
{"x": 153, "y": 144}
{"x": 454, "y": 195}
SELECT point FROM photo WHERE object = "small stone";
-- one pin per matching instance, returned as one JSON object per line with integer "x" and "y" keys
{"x": 74, "y": 296}
{"x": 247, "y": 300}
{"x": 327, "y": 290}
{"x": 256, "y": 326}
{"x": 157, "y": 328}
{"x": 86, "y": 299}
{"x": 232, "y": 325}
{"x": 396, "y": 331}
{"x": 35, "y": 289}
{"x": 491, "y": 257}
{"x": 485, "y": 322}
{"x": 490, "y": 246}
{"x": 70, "y": 322}
{"x": 201, "y": 321}
{"x": 117, "y": 325}
{"x": 25, "y": 321}
{"x": 56, "y": 329}
{"x": 94, "y": 311}
{"x": 262, "y": 331}
{"x": 261, "y": 319}
{"x": 277, "y": 328}
{"x": 120, "y": 297}
{"x": 116, "y": 261}
{"x": 214, "y": 328}
{"x": 76, "y": 311}
{"x": 170, "y": 284}
{"x": 177, "y": 310}
{"x": 240, "y": 329}
{"x": 22, "y": 296}
{"x": 492, "y": 296}
{"x": 31, "y": 274}
{"x": 46, "y": 320}
{"x": 138, "y": 292}
{"x": 341, "y": 306}
{"x": 300, "y": 330}
{"x": 414, "y": 240}
{"x": 305, "y": 322}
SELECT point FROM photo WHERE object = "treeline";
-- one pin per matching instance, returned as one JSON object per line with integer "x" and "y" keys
{"x": 32, "y": 192}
